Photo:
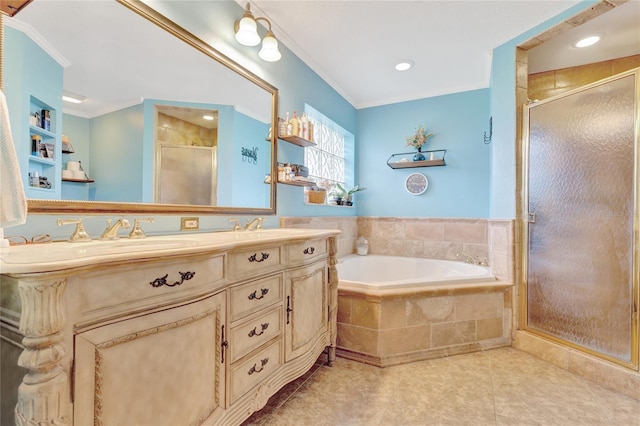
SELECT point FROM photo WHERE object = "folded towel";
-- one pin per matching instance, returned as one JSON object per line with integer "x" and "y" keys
{"x": 13, "y": 203}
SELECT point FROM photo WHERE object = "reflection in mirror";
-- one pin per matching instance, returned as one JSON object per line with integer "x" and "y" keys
{"x": 134, "y": 69}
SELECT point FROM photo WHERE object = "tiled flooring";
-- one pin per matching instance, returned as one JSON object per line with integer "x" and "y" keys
{"x": 498, "y": 387}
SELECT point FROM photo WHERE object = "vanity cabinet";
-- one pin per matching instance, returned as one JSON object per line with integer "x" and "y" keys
{"x": 161, "y": 368}
{"x": 171, "y": 338}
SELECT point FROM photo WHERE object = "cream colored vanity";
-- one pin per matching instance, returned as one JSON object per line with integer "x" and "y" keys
{"x": 179, "y": 330}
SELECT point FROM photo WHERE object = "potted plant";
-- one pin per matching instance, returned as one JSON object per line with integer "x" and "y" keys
{"x": 418, "y": 140}
{"x": 344, "y": 197}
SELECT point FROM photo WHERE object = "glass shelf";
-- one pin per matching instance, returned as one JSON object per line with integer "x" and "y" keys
{"x": 405, "y": 160}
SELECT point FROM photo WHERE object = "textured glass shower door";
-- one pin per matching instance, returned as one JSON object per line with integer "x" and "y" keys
{"x": 581, "y": 200}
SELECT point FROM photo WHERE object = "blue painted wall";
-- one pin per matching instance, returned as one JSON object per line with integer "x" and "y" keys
{"x": 459, "y": 189}
{"x": 475, "y": 183}
{"x": 78, "y": 130}
{"x": 503, "y": 109}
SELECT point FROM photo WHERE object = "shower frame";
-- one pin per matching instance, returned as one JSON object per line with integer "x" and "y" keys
{"x": 523, "y": 229}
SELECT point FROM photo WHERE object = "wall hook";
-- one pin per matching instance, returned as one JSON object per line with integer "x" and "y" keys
{"x": 487, "y": 139}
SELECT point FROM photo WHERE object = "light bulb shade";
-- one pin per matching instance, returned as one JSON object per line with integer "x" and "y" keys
{"x": 269, "y": 51}
{"x": 247, "y": 32}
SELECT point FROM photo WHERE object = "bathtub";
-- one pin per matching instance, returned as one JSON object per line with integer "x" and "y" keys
{"x": 377, "y": 272}
{"x": 393, "y": 310}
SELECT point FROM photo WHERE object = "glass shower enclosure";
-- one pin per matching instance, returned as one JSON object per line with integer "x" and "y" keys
{"x": 581, "y": 181}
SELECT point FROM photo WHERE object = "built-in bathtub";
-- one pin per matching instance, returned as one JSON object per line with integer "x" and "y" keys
{"x": 393, "y": 310}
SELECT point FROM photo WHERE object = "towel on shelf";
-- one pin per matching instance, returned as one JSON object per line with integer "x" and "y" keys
{"x": 13, "y": 202}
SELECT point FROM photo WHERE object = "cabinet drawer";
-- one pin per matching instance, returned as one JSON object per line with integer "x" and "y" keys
{"x": 248, "y": 298}
{"x": 256, "y": 368}
{"x": 143, "y": 285}
{"x": 251, "y": 334}
{"x": 255, "y": 262}
{"x": 306, "y": 251}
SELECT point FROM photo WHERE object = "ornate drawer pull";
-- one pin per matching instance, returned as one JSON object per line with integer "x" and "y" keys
{"x": 309, "y": 250}
{"x": 254, "y": 257}
{"x": 254, "y": 295}
{"x": 184, "y": 276}
{"x": 254, "y": 368}
{"x": 255, "y": 333}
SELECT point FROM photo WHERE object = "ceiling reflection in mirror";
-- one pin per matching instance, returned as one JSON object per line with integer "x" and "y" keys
{"x": 134, "y": 133}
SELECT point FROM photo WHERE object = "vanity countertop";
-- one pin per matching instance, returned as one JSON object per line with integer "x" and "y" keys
{"x": 58, "y": 256}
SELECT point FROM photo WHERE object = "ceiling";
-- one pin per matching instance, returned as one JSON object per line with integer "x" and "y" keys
{"x": 354, "y": 45}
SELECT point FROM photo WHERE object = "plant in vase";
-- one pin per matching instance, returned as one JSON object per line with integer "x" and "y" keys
{"x": 344, "y": 197}
{"x": 418, "y": 140}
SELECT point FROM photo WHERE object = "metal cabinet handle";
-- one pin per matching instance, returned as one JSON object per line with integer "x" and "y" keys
{"x": 184, "y": 276}
{"x": 254, "y": 332}
{"x": 309, "y": 250}
{"x": 254, "y": 369}
{"x": 254, "y": 257}
{"x": 254, "y": 295}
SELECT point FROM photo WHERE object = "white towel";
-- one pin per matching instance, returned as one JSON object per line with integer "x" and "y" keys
{"x": 13, "y": 203}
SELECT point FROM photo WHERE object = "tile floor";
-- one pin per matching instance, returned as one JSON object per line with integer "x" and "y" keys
{"x": 497, "y": 387}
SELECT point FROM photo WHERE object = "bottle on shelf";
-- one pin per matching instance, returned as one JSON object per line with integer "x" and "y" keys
{"x": 295, "y": 125}
{"x": 304, "y": 126}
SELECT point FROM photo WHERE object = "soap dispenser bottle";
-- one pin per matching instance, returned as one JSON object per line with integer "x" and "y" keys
{"x": 304, "y": 126}
{"x": 362, "y": 246}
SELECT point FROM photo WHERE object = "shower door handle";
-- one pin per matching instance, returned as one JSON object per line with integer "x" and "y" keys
{"x": 532, "y": 218}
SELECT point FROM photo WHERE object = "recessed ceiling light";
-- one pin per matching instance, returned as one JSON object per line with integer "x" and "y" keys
{"x": 404, "y": 65}
{"x": 208, "y": 117}
{"x": 587, "y": 41}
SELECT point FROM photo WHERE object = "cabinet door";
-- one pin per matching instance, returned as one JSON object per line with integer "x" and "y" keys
{"x": 164, "y": 368}
{"x": 306, "y": 316}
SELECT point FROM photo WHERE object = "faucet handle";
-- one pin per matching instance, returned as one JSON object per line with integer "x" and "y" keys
{"x": 137, "y": 231}
{"x": 79, "y": 234}
{"x": 236, "y": 225}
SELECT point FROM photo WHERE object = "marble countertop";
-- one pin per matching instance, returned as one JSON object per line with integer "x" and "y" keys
{"x": 57, "y": 256}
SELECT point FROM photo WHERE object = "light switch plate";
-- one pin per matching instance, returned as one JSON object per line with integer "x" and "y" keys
{"x": 189, "y": 223}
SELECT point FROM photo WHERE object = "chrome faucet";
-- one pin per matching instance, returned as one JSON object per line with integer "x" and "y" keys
{"x": 111, "y": 233}
{"x": 254, "y": 224}
{"x": 472, "y": 260}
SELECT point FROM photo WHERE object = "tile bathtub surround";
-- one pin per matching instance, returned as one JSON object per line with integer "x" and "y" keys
{"x": 393, "y": 329}
{"x": 496, "y": 387}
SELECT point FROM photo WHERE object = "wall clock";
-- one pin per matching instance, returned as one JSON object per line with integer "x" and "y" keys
{"x": 416, "y": 183}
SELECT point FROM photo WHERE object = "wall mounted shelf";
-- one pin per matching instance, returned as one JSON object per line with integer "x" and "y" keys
{"x": 297, "y": 140}
{"x": 78, "y": 180}
{"x": 405, "y": 160}
{"x": 296, "y": 182}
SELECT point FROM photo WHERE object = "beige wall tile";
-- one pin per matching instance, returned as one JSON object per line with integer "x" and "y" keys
{"x": 466, "y": 232}
{"x": 344, "y": 309}
{"x": 365, "y": 313}
{"x": 394, "y": 314}
{"x": 445, "y": 250}
{"x": 358, "y": 339}
{"x": 424, "y": 230}
{"x": 489, "y": 328}
{"x": 430, "y": 310}
{"x": 453, "y": 333}
{"x": 407, "y": 339}
{"x": 479, "y": 305}
{"x": 625, "y": 64}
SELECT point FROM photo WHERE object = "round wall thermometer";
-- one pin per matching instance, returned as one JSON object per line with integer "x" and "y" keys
{"x": 416, "y": 183}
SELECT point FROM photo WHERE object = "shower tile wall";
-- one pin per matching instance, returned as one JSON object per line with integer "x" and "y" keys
{"x": 543, "y": 85}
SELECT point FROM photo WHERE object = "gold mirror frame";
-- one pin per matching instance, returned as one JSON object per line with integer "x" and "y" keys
{"x": 41, "y": 206}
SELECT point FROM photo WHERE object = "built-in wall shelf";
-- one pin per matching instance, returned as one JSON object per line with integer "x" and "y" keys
{"x": 42, "y": 160}
{"x": 296, "y": 140}
{"x": 296, "y": 182}
{"x": 406, "y": 160}
{"x": 78, "y": 180}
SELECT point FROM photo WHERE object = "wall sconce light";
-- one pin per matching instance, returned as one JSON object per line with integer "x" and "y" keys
{"x": 246, "y": 30}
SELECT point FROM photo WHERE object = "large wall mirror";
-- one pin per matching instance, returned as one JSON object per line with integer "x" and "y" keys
{"x": 167, "y": 125}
